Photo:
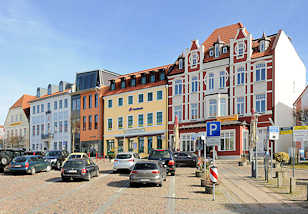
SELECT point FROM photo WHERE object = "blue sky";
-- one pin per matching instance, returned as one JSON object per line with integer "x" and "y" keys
{"x": 43, "y": 42}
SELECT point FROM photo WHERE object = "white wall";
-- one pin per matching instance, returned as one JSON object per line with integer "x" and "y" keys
{"x": 290, "y": 81}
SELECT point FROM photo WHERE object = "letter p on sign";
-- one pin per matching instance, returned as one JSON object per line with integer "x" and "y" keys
{"x": 213, "y": 129}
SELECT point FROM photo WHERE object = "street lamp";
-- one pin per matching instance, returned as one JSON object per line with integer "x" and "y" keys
{"x": 97, "y": 90}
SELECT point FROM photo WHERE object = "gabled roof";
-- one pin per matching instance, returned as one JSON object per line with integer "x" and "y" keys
{"x": 300, "y": 96}
{"x": 50, "y": 95}
{"x": 144, "y": 71}
{"x": 268, "y": 51}
{"x": 23, "y": 101}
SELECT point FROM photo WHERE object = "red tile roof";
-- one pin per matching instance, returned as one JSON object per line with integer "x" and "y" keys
{"x": 23, "y": 101}
{"x": 268, "y": 51}
{"x": 50, "y": 95}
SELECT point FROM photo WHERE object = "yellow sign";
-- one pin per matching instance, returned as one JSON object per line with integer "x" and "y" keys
{"x": 15, "y": 124}
{"x": 227, "y": 118}
{"x": 286, "y": 132}
{"x": 300, "y": 128}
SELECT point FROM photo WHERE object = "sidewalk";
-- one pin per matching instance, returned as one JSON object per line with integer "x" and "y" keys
{"x": 249, "y": 195}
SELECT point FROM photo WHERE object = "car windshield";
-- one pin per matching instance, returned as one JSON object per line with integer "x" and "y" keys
{"x": 145, "y": 166}
{"x": 53, "y": 153}
{"x": 124, "y": 156}
{"x": 74, "y": 156}
{"x": 159, "y": 155}
{"x": 74, "y": 164}
{"x": 20, "y": 159}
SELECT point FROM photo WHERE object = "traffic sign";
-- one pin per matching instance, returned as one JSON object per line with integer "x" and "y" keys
{"x": 273, "y": 132}
{"x": 213, "y": 141}
{"x": 213, "y": 129}
{"x": 213, "y": 174}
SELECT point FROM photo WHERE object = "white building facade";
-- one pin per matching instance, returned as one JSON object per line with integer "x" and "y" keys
{"x": 50, "y": 121}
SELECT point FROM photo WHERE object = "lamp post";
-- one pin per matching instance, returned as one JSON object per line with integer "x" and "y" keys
{"x": 97, "y": 90}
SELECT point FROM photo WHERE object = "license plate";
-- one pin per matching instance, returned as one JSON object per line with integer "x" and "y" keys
{"x": 17, "y": 166}
{"x": 144, "y": 180}
{"x": 72, "y": 171}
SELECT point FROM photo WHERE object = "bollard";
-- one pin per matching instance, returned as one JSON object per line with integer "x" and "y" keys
{"x": 292, "y": 184}
{"x": 279, "y": 180}
{"x": 89, "y": 154}
{"x": 96, "y": 155}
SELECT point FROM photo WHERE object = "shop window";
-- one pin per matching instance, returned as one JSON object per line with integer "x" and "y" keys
{"x": 227, "y": 140}
{"x": 140, "y": 144}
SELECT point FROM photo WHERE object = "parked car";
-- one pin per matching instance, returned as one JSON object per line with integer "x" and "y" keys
{"x": 147, "y": 172}
{"x": 185, "y": 159}
{"x": 76, "y": 155}
{"x": 79, "y": 169}
{"x": 165, "y": 156}
{"x": 41, "y": 153}
{"x": 30, "y": 164}
{"x": 56, "y": 158}
{"x": 7, "y": 155}
{"x": 125, "y": 160}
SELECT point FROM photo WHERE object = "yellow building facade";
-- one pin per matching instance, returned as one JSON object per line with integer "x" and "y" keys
{"x": 135, "y": 114}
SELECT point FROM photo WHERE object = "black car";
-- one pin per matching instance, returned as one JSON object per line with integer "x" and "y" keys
{"x": 56, "y": 158}
{"x": 79, "y": 169}
{"x": 165, "y": 156}
{"x": 185, "y": 159}
{"x": 7, "y": 155}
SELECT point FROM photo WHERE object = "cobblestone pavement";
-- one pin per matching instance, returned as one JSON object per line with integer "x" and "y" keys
{"x": 45, "y": 193}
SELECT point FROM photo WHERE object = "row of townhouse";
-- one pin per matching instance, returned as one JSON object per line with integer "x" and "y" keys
{"x": 229, "y": 74}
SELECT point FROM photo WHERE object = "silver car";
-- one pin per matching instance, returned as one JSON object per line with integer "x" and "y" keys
{"x": 125, "y": 160}
{"x": 148, "y": 172}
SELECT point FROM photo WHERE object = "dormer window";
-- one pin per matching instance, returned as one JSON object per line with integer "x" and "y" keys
{"x": 194, "y": 59}
{"x": 262, "y": 46}
{"x": 181, "y": 64}
{"x": 211, "y": 53}
{"x": 133, "y": 81}
{"x": 224, "y": 50}
{"x": 112, "y": 85}
{"x": 49, "y": 89}
{"x": 123, "y": 83}
{"x": 216, "y": 50}
{"x": 162, "y": 76}
{"x": 240, "y": 49}
{"x": 61, "y": 86}
{"x": 38, "y": 92}
{"x": 143, "y": 79}
{"x": 152, "y": 77}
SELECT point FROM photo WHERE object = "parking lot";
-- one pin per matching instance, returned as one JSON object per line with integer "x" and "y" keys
{"x": 110, "y": 193}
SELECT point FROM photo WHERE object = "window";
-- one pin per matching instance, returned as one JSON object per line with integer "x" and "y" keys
{"x": 194, "y": 59}
{"x": 211, "y": 53}
{"x": 60, "y": 145}
{"x": 96, "y": 121}
{"x": 211, "y": 81}
{"x": 213, "y": 108}
{"x": 55, "y": 105}
{"x": 48, "y": 128}
{"x": 194, "y": 111}
{"x": 152, "y": 77}
{"x": 178, "y": 112}
{"x": 150, "y": 96}
{"x": 240, "y": 49}
{"x": 159, "y": 118}
{"x": 262, "y": 46}
{"x": 120, "y": 145}
{"x": 120, "y": 123}
{"x": 133, "y": 82}
{"x": 130, "y": 121}
{"x": 240, "y": 105}
{"x": 49, "y": 89}
{"x": 60, "y": 104}
{"x": 109, "y": 124}
{"x": 55, "y": 146}
{"x": 130, "y": 100}
{"x": 227, "y": 141}
{"x": 150, "y": 144}
{"x": 112, "y": 85}
{"x": 120, "y": 101}
{"x": 240, "y": 76}
{"x": 140, "y": 120}
{"x": 109, "y": 103}
{"x": 61, "y": 86}
{"x": 48, "y": 106}
{"x": 260, "y": 103}
{"x": 216, "y": 50}
{"x": 37, "y": 130}
{"x": 194, "y": 84}
{"x": 141, "y": 144}
{"x": 222, "y": 79}
{"x": 150, "y": 119}
{"x": 65, "y": 103}
{"x": 90, "y": 101}
{"x": 110, "y": 145}
{"x": 223, "y": 107}
{"x": 260, "y": 72}
{"x": 162, "y": 76}
{"x": 178, "y": 87}
{"x": 38, "y": 108}
{"x": 143, "y": 79}
{"x": 60, "y": 126}
{"x": 159, "y": 95}
{"x": 42, "y": 130}
{"x": 90, "y": 122}
{"x": 33, "y": 111}
{"x": 55, "y": 127}
{"x": 84, "y": 100}
{"x": 245, "y": 140}
{"x": 84, "y": 123}
{"x": 42, "y": 107}
{"x": 140, "y": 98}
{"x": 159, "y": 142}
{"x": 65, "y": 126}
{"x": 181, "y": 64}
{"x": 224, "y": 50}
{"x": 123, "y": 83}
{"x": 96, "y": 100}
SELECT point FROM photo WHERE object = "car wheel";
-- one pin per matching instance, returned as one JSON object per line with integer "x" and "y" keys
{"x": 33, "y": 171}
{"x": 172, "y": 173}
{"x": 48, "y": 168}
{"x": 160, "y": 185}
{"x": 1, "y": 169}
{"x": 64, "y": 179}
{"x": 4, "y": 160}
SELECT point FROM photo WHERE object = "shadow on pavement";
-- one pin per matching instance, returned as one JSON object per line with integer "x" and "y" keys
{"x": 118, "y": 184}
{"x": 105, "y": 171}
{"x": 255, "y": 208}
{"x": 54, "y": 180}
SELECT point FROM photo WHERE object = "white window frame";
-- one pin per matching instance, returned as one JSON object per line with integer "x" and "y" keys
{"x": 142, "y": 98}
{"x": 109, "y": 119}
{"x": 227, "y": 134}
{"x": 162, "y": 118}
{"x": 212, "y": 108}
{"x": 194, "y": 84}
{"x": 132, "y": 100}
{"x": 240, "y": 105}
{"x": 262, "y": 46}
{"x": 260, "y": 98}
{"x": 240, "y": 48}
{"x": 178, "y": 110}
{"x": 223, "y": 107}
{"x": 120, "y": 98}
{"x": 178, "y": 87}
{"x": 240, "y": 76}
{"x": 224, "y": 50}
{"x": 180, "y": 63}
{"x": 150, "y": 124}
{"x": 128, "y": 121}
{"x": 109, "y": 101}
{"x": 211, "y": 52}
{"x": 194, "y": 111}
{"x": 216, "y": 50}
{"x": 211, "y": 81}
{"x": 119, "y": 123}
{"x": 139, "y": 124}
{"x": 260, "y": 72}
{"x": 194, "y": 59}
{"x": 222, "y": 79}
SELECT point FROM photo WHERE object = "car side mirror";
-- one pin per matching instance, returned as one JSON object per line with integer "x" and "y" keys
{"x": 189, "y": 156}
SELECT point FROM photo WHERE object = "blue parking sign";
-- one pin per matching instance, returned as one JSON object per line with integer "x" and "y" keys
{"x": 213, "y": 129}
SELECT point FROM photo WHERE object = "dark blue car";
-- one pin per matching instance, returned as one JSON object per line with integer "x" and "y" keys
{"x": 29, "y": 164}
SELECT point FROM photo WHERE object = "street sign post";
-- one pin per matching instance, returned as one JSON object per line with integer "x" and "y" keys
{"x": 273, "y": 134}
{"x": 213, "y": 135}
{"x": 214, "y": 178}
